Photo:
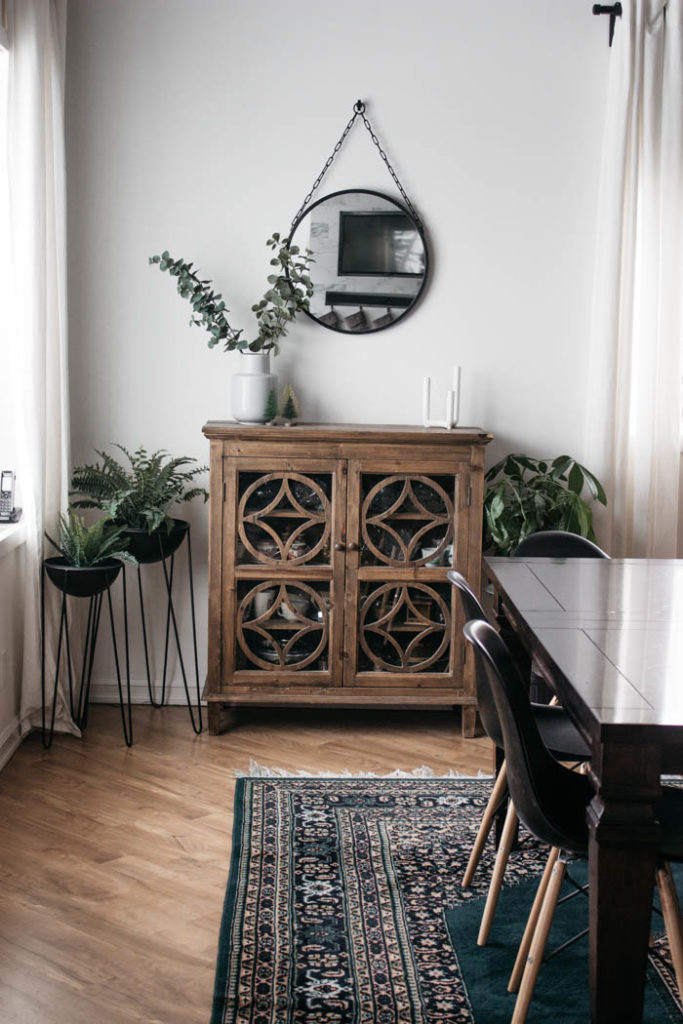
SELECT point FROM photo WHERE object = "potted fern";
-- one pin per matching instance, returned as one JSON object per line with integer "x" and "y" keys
{"x": 138, "y": 496}
{"x": 90, "y": 557}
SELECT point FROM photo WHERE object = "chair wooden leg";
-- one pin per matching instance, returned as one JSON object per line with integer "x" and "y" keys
{"x": 671, "y": 912}
{"x": 495, "y": 800}
{"x": 533, "y": 965}
{"x": 507, "y": 838}
{"x": 532, "y": 922}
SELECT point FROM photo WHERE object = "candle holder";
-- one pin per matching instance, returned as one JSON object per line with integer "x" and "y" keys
{"x": 452, "y": 402}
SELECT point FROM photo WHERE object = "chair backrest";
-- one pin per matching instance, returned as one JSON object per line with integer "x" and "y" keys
{"x": 550, "y": 799}
{"x": 485, "y": 702}
{"x": 470, "y": 601}
{"x": 557, "y": 544}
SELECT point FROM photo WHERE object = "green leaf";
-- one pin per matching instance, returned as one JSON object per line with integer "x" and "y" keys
{"x": 575, "y": 479}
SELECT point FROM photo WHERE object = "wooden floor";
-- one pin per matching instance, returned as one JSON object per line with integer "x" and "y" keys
{"x": 113, "y": 861}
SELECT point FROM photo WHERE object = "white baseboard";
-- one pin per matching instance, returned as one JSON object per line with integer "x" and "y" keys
{"x": 106, "y": 691}
{"x": 10, "y": 738}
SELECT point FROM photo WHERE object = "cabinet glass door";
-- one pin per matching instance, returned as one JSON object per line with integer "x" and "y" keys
{"x": 407, "y": 526}
{"x": 285, "y": 612}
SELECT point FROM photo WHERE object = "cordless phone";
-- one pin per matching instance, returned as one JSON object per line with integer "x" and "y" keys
{"x": 8, "y": 513}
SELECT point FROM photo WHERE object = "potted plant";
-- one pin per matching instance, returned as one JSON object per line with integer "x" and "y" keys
{"x": 90, "y": 557}
{"x": 137, "y": 497}
{"x": 288, "y": 293}
{"x": 525, "y": 494}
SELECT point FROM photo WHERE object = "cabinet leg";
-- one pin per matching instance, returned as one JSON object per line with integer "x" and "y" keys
{"x": 221, "y": 718}
{"x": 468, "y": 721}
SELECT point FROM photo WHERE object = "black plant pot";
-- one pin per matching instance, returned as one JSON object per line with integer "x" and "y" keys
{"x": 152, "y": 547}
{"x": 85, "y": 581}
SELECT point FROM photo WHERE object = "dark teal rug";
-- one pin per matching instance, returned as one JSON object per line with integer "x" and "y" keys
{"x": 344, "y": 906}
{"x": 561, "y": 994}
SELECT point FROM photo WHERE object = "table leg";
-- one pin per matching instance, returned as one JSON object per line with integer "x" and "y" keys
{"x": 622, "y": 860}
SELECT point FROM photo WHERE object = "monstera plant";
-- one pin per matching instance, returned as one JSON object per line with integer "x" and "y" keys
{"x": 525, "y": 494}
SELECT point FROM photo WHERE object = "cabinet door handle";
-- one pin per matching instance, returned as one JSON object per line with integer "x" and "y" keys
{"x": 339, "y": 546}
{"x": 353, "y": 546}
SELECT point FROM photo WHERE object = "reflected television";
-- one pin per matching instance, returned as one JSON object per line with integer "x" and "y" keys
{"x": 379, "y": 244}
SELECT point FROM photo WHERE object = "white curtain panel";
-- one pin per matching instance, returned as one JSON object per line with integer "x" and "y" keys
{"x": 37, "y": 32}
{"x": 633, "y": 427}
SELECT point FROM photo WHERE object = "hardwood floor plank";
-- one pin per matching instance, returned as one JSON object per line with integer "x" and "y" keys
{"x": 114, "y": 861}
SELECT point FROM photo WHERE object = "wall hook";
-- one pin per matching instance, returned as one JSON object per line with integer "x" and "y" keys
{"x": 614, "y": 11}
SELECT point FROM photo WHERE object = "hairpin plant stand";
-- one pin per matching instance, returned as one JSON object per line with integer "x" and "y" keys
{"x": 80, "y": 584}
{"x": 153, "y": 549}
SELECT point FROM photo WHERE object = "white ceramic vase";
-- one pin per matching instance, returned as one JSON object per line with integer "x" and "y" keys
{"x": 251, "y": 387}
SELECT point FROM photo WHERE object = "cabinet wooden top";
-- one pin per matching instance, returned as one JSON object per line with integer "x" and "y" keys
{"x": 228, "y": 430}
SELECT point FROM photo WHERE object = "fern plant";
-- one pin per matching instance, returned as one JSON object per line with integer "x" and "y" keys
{"x": 85, "y": 546}
{"x": 138, "y": 495}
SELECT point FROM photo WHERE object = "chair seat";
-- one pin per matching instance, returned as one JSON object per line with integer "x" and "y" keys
{"x": 559, "y": 733}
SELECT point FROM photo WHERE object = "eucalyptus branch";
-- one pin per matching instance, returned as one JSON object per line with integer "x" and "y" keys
{"x": 289, "y": 293}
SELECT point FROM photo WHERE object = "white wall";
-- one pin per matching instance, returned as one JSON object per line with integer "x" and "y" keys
{"x": 200, "y": 127}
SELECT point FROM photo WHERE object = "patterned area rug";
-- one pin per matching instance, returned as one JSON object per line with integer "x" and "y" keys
{"x": 342, "y": 906}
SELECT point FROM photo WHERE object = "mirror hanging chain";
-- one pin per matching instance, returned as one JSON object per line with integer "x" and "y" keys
{"x": 358, "y": 111}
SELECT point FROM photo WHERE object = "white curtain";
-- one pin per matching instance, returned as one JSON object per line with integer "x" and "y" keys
{"x": 633, "y": 436}
{"x": 37, "y": 194}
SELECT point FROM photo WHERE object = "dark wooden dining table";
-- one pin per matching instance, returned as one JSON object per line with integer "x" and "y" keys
{"x": 607, "y": 635}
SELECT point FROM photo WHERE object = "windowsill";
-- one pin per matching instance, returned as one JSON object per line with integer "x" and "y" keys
{"x": 12, "y": 535}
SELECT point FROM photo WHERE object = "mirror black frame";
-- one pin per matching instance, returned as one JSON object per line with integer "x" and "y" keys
{"x": 418, "y": 226}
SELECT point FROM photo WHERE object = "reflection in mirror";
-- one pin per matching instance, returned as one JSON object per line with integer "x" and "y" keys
{"x": 370, "y": 260}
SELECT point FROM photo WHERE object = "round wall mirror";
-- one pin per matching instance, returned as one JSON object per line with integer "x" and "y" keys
{"x": 370, "y": 260}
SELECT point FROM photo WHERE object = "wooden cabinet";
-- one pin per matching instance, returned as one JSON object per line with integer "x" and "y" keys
{"x": 329, "y": 546}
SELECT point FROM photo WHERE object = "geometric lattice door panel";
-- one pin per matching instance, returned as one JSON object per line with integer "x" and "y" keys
{"x": 404, "y": 627}
{"x": 284, "y": 518}
{"x": 407, "y": 519}
{"x": 283, "y": 625}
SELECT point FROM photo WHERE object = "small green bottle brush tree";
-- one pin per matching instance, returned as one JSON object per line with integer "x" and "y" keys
{"x": 289, "y": 406}
{"x": 270, "y": 411}
{"x": 288, "y": 293}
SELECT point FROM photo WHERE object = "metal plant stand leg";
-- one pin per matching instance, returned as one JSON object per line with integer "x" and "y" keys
{"x": 79, "y": 703}
{"x": 143, "y": 621}
{"x": 160, "y": 700}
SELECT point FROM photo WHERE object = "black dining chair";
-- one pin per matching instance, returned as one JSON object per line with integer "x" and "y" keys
{"x": 557, "y": 544}
{"x": 559, "y": 734}
{"x": 551, "y": 802}
{"x": 554, "y": 544}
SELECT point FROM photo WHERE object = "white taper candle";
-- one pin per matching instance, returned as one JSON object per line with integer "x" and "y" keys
{"x": 426, "y": 382}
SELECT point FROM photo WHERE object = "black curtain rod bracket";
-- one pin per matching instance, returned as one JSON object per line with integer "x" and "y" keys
{"x": 614, "y": 10}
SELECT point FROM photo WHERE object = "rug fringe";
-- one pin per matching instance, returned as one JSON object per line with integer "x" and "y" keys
{"x": 260, "y": 771}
